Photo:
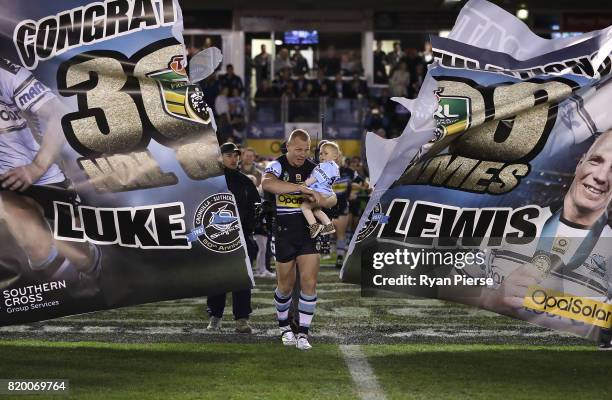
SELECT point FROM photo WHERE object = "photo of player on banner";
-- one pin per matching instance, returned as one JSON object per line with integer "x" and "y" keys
{"x": 32, "y": 181}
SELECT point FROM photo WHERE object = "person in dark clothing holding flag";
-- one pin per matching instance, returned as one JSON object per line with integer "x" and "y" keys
{"x": 247, "y": 200}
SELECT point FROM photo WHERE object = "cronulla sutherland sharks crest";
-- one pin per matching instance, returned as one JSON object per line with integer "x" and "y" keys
{"x": 216, "y": 224}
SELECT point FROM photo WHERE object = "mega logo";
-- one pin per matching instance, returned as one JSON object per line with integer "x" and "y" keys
{"x": 289, "y": 200}
{"x": 576, "y": 308}
{"x": 490, "y": 133}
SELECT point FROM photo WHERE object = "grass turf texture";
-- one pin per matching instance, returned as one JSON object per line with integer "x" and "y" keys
{"x": 180, "y": 371}
{"x": 249, "y": 371}
{"x": 491, "y": 371}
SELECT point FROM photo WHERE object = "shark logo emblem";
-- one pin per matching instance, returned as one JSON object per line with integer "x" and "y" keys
{"x": 223, "y": 219}
{"x": 216, "y": 224}
{"x": 375, "y": 218}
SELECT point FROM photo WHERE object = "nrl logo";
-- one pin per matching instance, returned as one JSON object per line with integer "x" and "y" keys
{"x": 452, "y": 115}
{"x": 180, "y": 98}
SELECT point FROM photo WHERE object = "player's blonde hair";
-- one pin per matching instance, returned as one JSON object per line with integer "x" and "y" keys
{"x": 333, "y": 146}
{"x": 299, "y": 134}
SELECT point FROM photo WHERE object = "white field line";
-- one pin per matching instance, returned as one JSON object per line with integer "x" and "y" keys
{"x": 363, "y": 377}
{"x": 259, "y": 331}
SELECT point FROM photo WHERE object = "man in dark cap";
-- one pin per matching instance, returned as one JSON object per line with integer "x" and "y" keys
{"x": 247, "y": 199}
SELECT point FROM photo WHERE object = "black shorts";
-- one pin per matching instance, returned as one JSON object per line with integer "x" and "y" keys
{"x": 355, "y": 207}
{"x": 45, "y": 195}
{"x": 342, "y": 206}
{"x": 292, "y": 238}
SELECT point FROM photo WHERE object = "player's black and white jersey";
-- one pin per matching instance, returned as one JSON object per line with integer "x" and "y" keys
{"x": 21, "y": 96}
{"x": 342, "y": 186}
{"x": 583, "y": 268}
{"x": 289, "y": 203}
{"x": 590, "y": 277}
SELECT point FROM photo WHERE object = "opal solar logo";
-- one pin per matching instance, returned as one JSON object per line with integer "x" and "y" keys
{"x": 577, "y": 308}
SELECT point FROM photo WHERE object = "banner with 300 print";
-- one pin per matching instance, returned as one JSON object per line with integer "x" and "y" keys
{"x": 107, "y": 152}
{"x": 497, "y": 193}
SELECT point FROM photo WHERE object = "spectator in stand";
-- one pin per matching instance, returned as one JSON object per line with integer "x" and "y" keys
{"x": 380, "y": 65}
{"x": 330, "y": 63}
{"x": 207, "y": 43}
{"x": 237, "y": 122}
{"x": 248, "y": 71}
{"x": 191, "y": 51}
{"x": 282, "y": 61}
{"x": 411, "y": 59}
{"x": 266, "y": 91}
{"x": 267, "y": 107}
{"x": 237, "y": 101}
{"x": 345, "y": 64}
{"x": 417, "y": 81}
{"x": 376, "y": 120}
{"x": 300, "y": 64}
{"x": 289, "y": 92}
{"x": 210, "y": 87}
{"x": 350, "y": 64}
{"x": 357, "y": 88}
{"x": 356, "y": 165}
{"x": 262, "y": 64}
{"x": 427, "y": 53}
{"x": 400, "y": 79}
{"x": 308, "y": 92}
{"x": 339, "y": 88}
{"x": 385, "y": 103}
{"x": 321, "y": 79}
{"x": 223, "y": 118}
{"x": 231, "y": 80}
{"x": 283, "y": 79}
{"x": 300, "y": 83}
{"x": 326, "y": 89}
{"x": 395, "y": 57}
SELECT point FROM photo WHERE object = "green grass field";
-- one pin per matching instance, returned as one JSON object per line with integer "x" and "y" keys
{"x": 491, "y": 371}
{"x": 180, "y": 371}
{"x": 405, "y": 349}
{"x": 248, "y": 371}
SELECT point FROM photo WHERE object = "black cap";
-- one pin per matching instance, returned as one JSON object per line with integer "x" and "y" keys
{"x": 229, "y": 147}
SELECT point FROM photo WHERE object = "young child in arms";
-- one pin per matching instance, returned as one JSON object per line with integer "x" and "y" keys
{"x": 321, "y": 180}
